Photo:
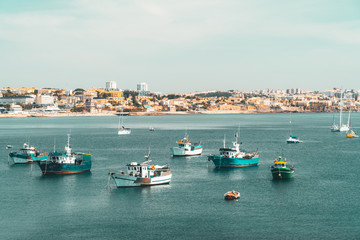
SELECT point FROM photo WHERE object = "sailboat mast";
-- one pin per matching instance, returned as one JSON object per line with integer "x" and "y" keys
{"x": 290, "y": 125}
{"x": 341, "y": 94}
{"x": 349, "y": 117}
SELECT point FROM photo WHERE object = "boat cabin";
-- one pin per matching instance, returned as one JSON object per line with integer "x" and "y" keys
{"x": 145, "y": 170}
{"x": 27, "y": 150}
{"x": 280, "y": 163}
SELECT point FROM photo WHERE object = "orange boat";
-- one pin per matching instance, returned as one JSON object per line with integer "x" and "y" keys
{"x": 232, "y": 195}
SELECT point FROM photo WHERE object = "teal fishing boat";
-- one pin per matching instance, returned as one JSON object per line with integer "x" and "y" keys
{"x": 233, "y": 157}
{"x": 65, "y": 162}
{"x": 27, "y": 154}
{"x": 280, "y": 170}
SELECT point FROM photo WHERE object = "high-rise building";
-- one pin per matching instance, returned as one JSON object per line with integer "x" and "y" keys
{"x": 110, "y": 85}
{"x": 142, "y": 87}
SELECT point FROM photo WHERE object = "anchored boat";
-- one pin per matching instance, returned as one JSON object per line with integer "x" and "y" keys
{"x": 186, "y": 148}
{"x": 280, "y": 170}
{"x": 121, "y": 129}
{"x": 293, "y": 139}
{"x": 142, "y": 174}
{"x": 232, "y": 195}
{"x": 351, "y": 134}
{"x": 233, "y": 157}
{"x": 27, "y": 154}
{"x": 334, "y": 127}
{"x": 65, "y": 162}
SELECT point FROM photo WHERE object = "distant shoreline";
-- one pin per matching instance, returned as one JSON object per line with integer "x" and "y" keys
{"x": 113, "y": 113}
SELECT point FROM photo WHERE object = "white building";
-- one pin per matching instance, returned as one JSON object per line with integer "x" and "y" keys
{"x": 143, "y": 87}
{"x": 44, "y": 100}
{"x": 110, "y": 85}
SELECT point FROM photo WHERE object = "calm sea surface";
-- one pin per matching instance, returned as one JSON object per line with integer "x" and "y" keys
{"x": 322, "y": 201}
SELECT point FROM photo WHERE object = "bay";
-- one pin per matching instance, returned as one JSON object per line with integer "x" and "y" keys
{"x": 321, "y": 201}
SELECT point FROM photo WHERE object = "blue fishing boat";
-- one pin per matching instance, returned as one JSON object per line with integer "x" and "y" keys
{"x": 233, "y": 157}
{"x": 27, "y": 154}
{"x": 65, "y": 162}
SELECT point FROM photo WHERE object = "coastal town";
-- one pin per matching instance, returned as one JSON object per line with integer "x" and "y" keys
{"x": 37, "y": 102}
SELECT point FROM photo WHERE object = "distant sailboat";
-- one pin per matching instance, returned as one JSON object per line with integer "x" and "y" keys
{"x": 351, "y": 133}
{"x": 334, "y": 127}
{"x": 121, "y": 129}
{"x": 343, "y": 127}
{"x": 292, "y": 138}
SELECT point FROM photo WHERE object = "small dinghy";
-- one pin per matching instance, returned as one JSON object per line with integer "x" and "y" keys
{"x": 232, "y": 195}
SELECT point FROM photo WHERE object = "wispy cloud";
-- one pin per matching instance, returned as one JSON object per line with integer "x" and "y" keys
{"x": 100, "y": 33}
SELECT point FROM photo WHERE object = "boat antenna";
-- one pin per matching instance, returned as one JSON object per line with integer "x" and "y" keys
{"x": 54, "y": 143}
{"x": 224, "y": 140}
{"x": 69, "y": 136}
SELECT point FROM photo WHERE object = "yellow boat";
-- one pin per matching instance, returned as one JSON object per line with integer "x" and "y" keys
{"x": 351, "y": 134}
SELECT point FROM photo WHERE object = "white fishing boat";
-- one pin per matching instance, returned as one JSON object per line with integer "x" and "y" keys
{"x": 121, "y": 129}
{"x": 142, "y": 174}
{"x": 186, "y": 148}
{"x": 151, "y": 129}
{"x": 343, "y": 127}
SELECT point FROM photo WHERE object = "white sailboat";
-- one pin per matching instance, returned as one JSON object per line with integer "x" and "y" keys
{"x": 121, "y": 129}
{"x": 343, "y": 127}
{"x": 292, "y": 138}
{"x": 334, "y": 127}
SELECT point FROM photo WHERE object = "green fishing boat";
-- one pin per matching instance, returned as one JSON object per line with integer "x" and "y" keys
{"x": 280, "y": 170}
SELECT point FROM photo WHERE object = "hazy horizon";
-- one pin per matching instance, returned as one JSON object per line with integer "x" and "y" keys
{"x": 180, "y": 46}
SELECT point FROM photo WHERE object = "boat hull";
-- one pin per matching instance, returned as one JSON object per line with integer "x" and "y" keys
{"x": 125, "y": 181}
{"x": 181, "y": 152}
{"x": 124, "y": 132}
{"x": 25, "y": 159}
{"x": 225, "y": 162}
{"x": 51, "y": 168}
{"x": 282, "y": 173}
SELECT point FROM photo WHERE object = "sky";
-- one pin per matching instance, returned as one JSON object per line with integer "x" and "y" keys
{"x": 180, "y": 46}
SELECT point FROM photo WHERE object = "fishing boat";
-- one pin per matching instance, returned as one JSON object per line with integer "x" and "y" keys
{"x": 142, "y": 174}
{"x": 343, "y": 127}
{"x": 121, "y": 129}
{"x": 151, "y": 129}
{"x": 334, "y": 127}
{"x": 292, "y": 138}
{"x": 232, "y": 195}
{"x": 27, "y": 154}
{"x": 233, "y": 157}
{"x": 186, "y": 148}
{"x": 280, "y": 170}
{"x": 66, "y": 162}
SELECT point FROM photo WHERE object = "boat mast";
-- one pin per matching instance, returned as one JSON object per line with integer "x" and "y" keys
{"x": 290, "y": 125}
{"x": 68, "y": 148}
{"x": 341, "y": 94}
{"x": 349, "y": 118}
{"x": 224, "y": 140}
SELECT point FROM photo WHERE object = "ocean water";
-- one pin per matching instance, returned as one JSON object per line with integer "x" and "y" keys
{"x": 322, "y": 201}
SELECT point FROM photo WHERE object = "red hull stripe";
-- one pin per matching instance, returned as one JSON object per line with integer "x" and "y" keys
{"x": 238, "y": 166}
{"x": 66, "y": 172}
